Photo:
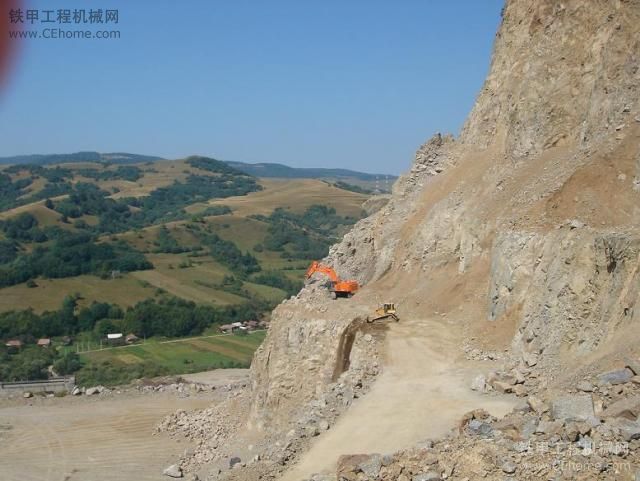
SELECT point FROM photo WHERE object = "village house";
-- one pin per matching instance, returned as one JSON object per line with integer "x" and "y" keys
{"x": 15, "y": 343}
{"x": 131, "y": 339}
{"x": 44, "y": 342}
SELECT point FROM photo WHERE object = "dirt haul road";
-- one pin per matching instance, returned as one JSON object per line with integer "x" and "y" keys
{"x": 89, "y": 439}
{"x": 421, "y": 394}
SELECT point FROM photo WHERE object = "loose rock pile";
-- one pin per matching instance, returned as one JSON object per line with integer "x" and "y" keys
{"x": 217, "y": 430}
{"x": 592, "y": 431}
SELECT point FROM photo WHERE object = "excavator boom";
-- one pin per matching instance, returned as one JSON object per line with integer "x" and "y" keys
{"x": 338, "y": 286}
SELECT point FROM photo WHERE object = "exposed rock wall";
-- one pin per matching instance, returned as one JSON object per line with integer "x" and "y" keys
{"x": 542, "y": 186}
{"x": 585, "y": 285}
{"x": 561, "y": 73}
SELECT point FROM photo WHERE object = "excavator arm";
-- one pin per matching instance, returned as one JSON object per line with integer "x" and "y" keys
{"x": 317, "y": 267}
{"x": 339, "y": 287}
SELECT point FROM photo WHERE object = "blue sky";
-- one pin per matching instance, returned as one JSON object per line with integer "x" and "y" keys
{"x": 338, "y": 83}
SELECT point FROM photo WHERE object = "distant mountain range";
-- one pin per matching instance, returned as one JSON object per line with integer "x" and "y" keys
{"x": 257, "y": 170}
{"x": 284, "y": 171}
{"x": 116, "y": 158}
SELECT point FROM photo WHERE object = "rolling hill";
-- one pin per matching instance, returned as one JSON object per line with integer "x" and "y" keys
{"x": 365, "y": 180}
{"x": 88, "y": 248}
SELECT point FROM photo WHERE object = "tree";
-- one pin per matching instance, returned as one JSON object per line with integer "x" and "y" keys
{"x": 67, "y": 364}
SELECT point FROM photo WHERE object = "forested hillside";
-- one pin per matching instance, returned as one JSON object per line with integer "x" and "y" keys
{"x": 151, "y": 249}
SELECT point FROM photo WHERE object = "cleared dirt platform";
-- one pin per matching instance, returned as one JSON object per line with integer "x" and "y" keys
{"x": 421, "y": 394}
{"x": 90, "y": 439}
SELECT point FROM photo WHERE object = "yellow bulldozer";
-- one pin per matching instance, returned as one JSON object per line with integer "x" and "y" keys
{"x": 386, "y": 311}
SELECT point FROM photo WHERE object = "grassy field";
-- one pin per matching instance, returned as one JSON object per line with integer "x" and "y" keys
{"x": 185, "y": 355}
{"x": 44, "y": 216}
{"x": 49, "y": 294}
{"x": 294, "y": 194}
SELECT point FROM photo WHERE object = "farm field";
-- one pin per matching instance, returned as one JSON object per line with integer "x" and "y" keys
{"x": 189, "y": 355}
{"x": 294, "y": 194}
{"x": 49, "y": 293}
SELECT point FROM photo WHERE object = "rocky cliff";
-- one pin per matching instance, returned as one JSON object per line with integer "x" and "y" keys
{"x": 537, "y": 204}
{"x": 516, "y": 243}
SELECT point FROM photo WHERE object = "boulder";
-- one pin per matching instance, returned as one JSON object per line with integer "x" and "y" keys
{"x": 618, "y": 376}
{"x": 576, "y": 224}
{"x": 502, "y": 386}
{"x": 584, "y": 386}
{"x": 628, "y": 408}
{"x": 371, "y": 467}
{"x": 348, "y": 466}
{"x": 629, "y": 430}
{"x": 173, "y": 471}
{"x": 27, "y": 395}
{"x": 509, "y": 467}
{"x": 633, "y": 365}
{"x": 76, "y": 391}
{"x": 549, "y": 427}
{"x": 572, "y": 432}
{"x": 429, "y": 476}
{"x": 479, "y": 383}
{"x": 518, "y": 376}
{"x": 233, "y": 461}
{"x": 519, "y": 390}
{"x": 537, "y": 404}
{"x": 479, "y": 428}
{"x": 574, "y": 407}
{"x": 92, "y": 390}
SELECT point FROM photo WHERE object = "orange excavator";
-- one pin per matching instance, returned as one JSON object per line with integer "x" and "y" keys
{"x": 339, "y": 288}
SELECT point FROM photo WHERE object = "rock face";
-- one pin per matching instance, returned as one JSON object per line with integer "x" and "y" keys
{"x": 534, "y": 209}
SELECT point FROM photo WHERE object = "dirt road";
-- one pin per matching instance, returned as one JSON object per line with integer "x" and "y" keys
{"x": 421, "y": 394}
{"x": 90, "y": 439}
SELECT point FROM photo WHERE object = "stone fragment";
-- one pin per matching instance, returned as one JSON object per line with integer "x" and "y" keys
{"x": 584, "y": 386}
{"x": 618, "y": 376}
{"x": 576, "y": 224}
{"x": 173, "y": 471}
{"x": 549, "y": 427}
{"x": 629, "y": 430}
{"x": 348, "y": 466}
{"x": 628, "y": 408}
{"x": 429, "y": 476}
{"x": 633, "y": 365}
{"x": 371, "y": 467}
{"x": 479, "y": 428}
{"x": 479, "y": 383}
{"x": 537, "y": 404}
{"x": 509, "y": 467}
{"x": 574, "y": 407}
